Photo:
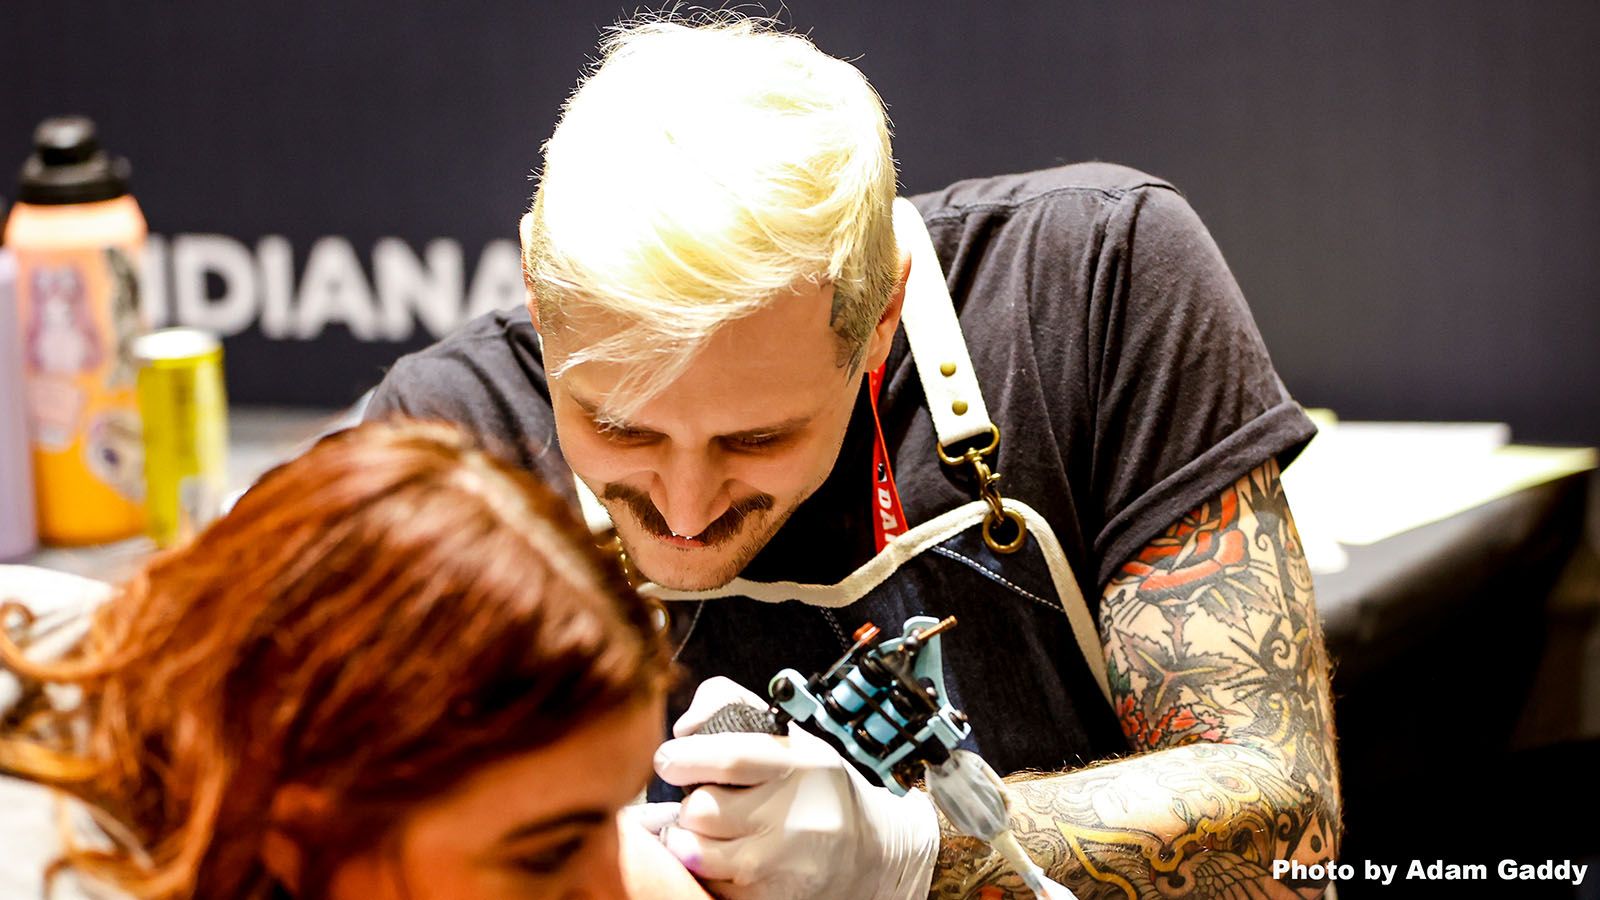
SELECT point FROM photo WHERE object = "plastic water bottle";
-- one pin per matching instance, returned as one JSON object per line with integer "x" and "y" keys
{"x": 77, "y": 236}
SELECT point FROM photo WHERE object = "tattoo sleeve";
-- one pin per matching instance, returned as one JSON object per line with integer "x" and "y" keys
{"x": 1220, "y": 680}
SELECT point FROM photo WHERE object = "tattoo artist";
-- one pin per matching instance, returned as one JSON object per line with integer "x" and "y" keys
{"x": 796, "y": 397}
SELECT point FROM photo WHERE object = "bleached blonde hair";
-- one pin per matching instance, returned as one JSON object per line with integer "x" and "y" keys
{"x": 704, "y": 168}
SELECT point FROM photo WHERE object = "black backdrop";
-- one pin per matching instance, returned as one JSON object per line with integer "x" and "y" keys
{"x": 1407, "y": 192}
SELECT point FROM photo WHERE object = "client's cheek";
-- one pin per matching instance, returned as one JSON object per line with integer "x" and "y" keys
{"x": 366, "y": 877}
{"x": 599, "y": 870}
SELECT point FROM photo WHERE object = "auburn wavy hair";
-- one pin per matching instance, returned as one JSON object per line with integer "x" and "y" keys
{"x": 373, "y": 620}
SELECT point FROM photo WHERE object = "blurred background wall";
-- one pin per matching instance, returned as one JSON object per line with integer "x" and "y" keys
{"x": 1406, "y": 191}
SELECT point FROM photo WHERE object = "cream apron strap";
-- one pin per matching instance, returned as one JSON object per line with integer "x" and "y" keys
{"x": 916, "y": 541}
{"x": 937, "y": 345}
{"x": 856, "y": 585}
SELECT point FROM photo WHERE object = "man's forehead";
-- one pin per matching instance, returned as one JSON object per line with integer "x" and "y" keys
{"x": 789, "y": 338}
{"x": 584, "y": 317}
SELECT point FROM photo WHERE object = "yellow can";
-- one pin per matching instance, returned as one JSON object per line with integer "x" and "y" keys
{"x": 185, "y": 413}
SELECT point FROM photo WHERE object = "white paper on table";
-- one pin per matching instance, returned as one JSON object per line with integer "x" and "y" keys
{"x": 60, "y": 604}
{"x": 1358, "y": 483}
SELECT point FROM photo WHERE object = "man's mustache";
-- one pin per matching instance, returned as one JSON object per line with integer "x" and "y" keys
{"x": 722, "y": 528}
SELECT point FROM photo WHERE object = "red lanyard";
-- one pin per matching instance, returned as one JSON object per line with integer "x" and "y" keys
{"x": 888, "y": 519}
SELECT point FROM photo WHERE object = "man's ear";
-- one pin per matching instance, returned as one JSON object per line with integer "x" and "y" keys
{"x": 525, "y": 234}
{"x": 883, "y": 333}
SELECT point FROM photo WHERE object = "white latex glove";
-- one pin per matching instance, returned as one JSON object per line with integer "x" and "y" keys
{"x": 787, "y": 818}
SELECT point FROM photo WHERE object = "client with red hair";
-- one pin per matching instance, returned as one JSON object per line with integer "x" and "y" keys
{"x": 397, "y": 668}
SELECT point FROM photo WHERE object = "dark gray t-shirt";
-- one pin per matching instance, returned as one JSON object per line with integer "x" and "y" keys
{"x": 1114, "y": 350}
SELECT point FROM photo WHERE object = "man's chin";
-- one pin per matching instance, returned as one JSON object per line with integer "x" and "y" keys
{"x": 688, "y": 568}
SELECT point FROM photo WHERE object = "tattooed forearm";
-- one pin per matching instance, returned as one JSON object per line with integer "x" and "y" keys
{"x": 1217, "y": 666}
{"x": 1204, "y": 820}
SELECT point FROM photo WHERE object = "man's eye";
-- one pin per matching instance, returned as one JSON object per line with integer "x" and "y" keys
{"x": 760, "y": 442}
{"x": 549, "y": 861}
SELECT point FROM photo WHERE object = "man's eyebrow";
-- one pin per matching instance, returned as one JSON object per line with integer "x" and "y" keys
{"x": 793, "y": 423}
{"x": 593, "y": 411}
{"x": 579, "y": 817}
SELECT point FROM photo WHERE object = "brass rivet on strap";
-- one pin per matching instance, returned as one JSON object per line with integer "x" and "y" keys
{"x": 947, "y": 369}
{"x": 959, "y": 407}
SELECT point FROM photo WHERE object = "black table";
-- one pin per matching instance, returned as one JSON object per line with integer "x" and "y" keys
{"x": 1465, "y": 703}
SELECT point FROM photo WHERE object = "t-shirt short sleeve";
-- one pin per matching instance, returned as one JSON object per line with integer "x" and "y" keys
{"x": 1185, "y": 399}
{"x": 420, "y": 387}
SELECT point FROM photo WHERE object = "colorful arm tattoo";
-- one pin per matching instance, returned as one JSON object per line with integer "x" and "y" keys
{"x": 1220, "y": 678}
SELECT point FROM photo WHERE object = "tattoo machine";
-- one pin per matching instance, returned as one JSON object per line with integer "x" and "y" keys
{"x": 884, "y": 702}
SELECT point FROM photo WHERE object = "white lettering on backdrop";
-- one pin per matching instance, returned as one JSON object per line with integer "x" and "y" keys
{"x": 219, "y": 283}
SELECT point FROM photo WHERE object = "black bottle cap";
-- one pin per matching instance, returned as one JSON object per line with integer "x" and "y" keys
{"x": 68, "y": 165}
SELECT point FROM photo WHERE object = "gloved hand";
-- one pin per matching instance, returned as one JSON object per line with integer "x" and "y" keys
{"x": 787, "y": 818}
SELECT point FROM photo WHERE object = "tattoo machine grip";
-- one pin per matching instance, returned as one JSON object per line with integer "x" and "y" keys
{"x": 742, "y": 717}
{"x": 739, "y": 717}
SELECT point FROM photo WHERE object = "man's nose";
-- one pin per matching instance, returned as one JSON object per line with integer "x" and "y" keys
{"x": 689, "y": 492}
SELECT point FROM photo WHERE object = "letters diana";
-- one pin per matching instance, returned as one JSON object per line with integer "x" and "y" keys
{"x": 225, "y": 286}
